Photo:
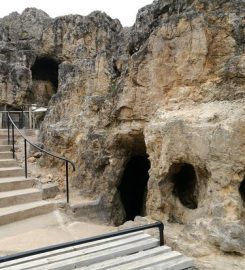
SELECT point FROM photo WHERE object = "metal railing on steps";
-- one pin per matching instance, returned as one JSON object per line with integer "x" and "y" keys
{"x": 67, "y": 161}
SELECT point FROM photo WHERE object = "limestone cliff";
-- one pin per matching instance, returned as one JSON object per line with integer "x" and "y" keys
{"x": 169, "y": 88}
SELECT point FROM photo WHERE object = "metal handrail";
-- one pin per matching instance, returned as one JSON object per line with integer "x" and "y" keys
{"x": 20, "y": 255}
{"x": 13, "y": 111}
{"x": 67, "y": 161}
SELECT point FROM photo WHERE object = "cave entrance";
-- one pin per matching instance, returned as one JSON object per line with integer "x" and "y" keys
{"x": 45, "y": 69}
{"x": 44, "y": 80}
{"x": 242, "y": 189}
{"x": 184, "y": 179}
{"x": 133, "y": 186}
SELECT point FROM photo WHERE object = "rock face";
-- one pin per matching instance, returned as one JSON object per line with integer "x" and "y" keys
{"x": 169, "y": 89}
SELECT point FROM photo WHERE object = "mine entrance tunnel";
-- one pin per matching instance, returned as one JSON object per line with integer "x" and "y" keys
{"x": 184, "y": 179}
{"x": 133, "y": 186}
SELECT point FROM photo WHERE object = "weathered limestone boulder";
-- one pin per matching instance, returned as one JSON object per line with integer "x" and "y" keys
{"x": 169, "y": 89}
{"x": 49, "y": 190}
{"x": 210, "y": 138}
{"x": 20, "y": 35}
{"x": 204, "y": 136}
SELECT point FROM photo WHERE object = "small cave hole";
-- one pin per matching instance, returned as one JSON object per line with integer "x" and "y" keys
{"x": 116, "y": 69}
{"x": 184, "y": 179}
{"x": 45, "y": 69}
{"x": 242, "y": 189}
{"x": 133, "y": 186}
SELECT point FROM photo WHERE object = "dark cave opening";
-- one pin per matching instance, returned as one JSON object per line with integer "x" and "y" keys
{"x": 242, "y": 189}
{"x": 133, "y": 186}
{"x": 184, "y": 179}
{"x": 45, "y": 69}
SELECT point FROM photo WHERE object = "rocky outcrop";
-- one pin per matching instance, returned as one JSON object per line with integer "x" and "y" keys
{"x": 169, "y": 88}
{"x": 33, "y": 35}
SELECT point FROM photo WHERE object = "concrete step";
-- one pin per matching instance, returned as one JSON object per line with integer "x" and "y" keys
{"x": 3, "y": 131}
{"x": 11, "y": 172}
{"x": 130, "y": 258}
{"x": 23, "y": 211}
{"x": 5, "y": 148}
{"x": 170, "y": 261}
{"x": 6, "y": 155}
{"x": 27, "y": 132}
{"x": 4, "y": 136}
{"x": 4, "y": 141}
{"x": 15, "y": 183}
{"x": 21, "y": 196}
{"x": 146, "y": 262}
{"x": 4, "y": 163}
{"x": 175, "y": 264}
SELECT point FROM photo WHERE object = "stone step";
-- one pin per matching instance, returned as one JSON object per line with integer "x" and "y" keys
{"x": 175, "y": 264}
{"x": 23, "y": 211}
{"x": 11, "y": 172}
{"x": 6, "y": 155}
{"x": 142, "y": 264}
{"x": 8, "y": 163}
{"x": 3, "y": 131}
{"x": 21, "y": 196}
{"x": 15, "y": 183}
{"x": 5, "y": 136}
{"x": 88, "y": 256}
{"x": 130, "y": 258}
{"x": 4, "y": 141}
{"x": 27, "y": 132}
{"x": 5, "y": 148}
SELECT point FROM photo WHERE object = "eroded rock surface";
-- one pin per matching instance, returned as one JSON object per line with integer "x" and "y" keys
{"x": 169, "y": 88}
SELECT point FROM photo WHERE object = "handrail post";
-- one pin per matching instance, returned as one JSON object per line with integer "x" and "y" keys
{"x": 67, "y": 183}
{"x": 25, "y": 158}
{"x": 13, "y": 139}
{"x": 161, "y": 228}
{"x": 22, "y": 118}
{"x": 8, "y": 129}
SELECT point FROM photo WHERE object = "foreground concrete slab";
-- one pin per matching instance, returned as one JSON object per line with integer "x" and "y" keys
{"x": 43, "y": 230}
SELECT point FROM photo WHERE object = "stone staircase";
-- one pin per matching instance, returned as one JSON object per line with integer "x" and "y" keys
{"x": 19, "y": 199}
